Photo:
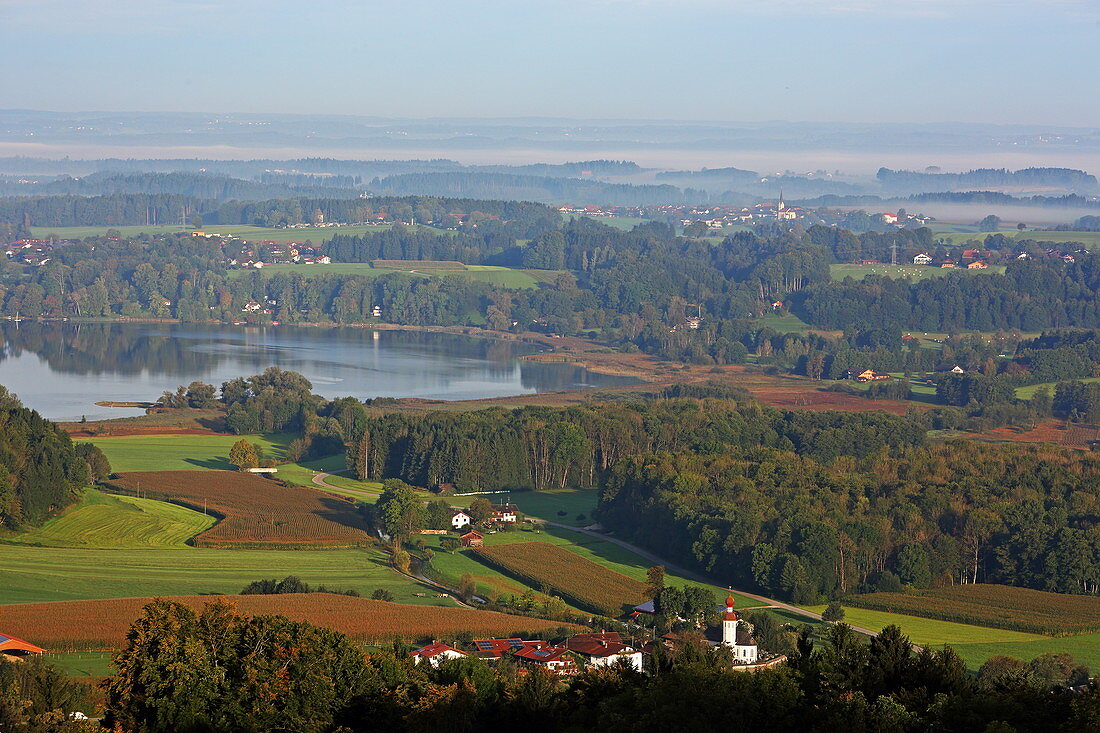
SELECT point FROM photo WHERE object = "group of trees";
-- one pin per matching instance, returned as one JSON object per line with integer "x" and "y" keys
{"x": 546, "y": 448}
{"x": 811, "y": 528}
{"x": 217, "y": 670}
{"x": 41, "y": 470}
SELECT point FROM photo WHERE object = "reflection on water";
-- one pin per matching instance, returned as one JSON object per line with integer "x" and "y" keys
{"x": 62, "y": 369}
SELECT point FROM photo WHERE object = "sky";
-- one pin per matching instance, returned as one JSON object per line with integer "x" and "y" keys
{"x": 1011, "y": 61}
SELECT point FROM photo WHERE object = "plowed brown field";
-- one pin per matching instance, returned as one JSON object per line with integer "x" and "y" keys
{"x": 102, "y": 624}
{"x": 254, "y": 511}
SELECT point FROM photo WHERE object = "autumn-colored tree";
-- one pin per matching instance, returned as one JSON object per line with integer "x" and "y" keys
{"x": 243, "y": 456}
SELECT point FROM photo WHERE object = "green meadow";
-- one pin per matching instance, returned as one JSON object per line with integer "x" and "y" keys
{"x": 505, "y": 277}
{"x": 33, "y": 574}
{"x": 105, "y": 520}
{"x": 1026, "y": 393}
{"x": 181, "y": 452}
{"x": 911, "y": 272}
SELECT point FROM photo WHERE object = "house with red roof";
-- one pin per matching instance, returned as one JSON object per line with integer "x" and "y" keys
{"x": 556, "y": 659}
{"x": 13, "y": 649}
{"x": 473, "y": 538}
{"x": 434, "y": 654}
{"x": 491, "y": 650}
{"x": 604, "y": 649}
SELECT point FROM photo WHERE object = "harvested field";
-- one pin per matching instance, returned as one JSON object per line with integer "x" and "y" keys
{"x": 812, "y": 398}
{"x": 76, "y": 626}
{"x": 418, "y": 264}
{"x": 558, "y": 571}
{"x": 254, "y": 511}
{"x": 995, "y": 606}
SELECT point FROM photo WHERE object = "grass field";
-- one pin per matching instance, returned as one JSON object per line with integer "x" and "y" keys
{"x": 1026, "y": 393}
{"x": 505, "y": 277}
{"x": 94, "y": 625}
{"x": 104, "y": 520}
{"x": 81, "y": 664}
{"x": 996, "y": 606}
{"x": 181, "y": 452}
{"x": 1084, "y": 648}
{"x": 786, "y": 323}
{"x": 575, "y": 579}
{"x": 255, "y": 511}
{"x": 912, "y": 272}
{"x": 931, "y": 632}
{"x": 33, "y": 574}
{"x": 1085, "y": 238}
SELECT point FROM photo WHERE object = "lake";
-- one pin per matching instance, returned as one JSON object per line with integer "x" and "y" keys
{"x": 63, "y": 369}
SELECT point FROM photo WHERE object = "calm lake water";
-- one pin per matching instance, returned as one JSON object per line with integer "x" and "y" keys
{"x": 63, "y": 369}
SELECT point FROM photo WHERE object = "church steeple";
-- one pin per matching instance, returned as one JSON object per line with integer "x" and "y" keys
{"x": 781, "y": 207}
{"x": 729, "y": 623}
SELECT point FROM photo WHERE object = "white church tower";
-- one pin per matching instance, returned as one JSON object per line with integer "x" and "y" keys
{"x": 744, "y": 650}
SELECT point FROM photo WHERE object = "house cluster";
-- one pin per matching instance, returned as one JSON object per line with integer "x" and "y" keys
{"x": 903, "y": 219}
{"x": 1068, "y": 257}
{"x": 463, "y": 523}
{"x": 277, "y": 253}
{"x": 255, "y": 307}
{"x": 569, "y": 657}
{"x": 971, "y": 259}
{"x": 33, "y": 252}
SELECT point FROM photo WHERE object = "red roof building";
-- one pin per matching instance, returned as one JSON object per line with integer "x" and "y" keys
{"x": 436, "y": 653}
{"x": 494, "y": 649}
{"x": 604, "y": 649}
{"x": 13, "y": 649}
{"x": 556, "y": 659}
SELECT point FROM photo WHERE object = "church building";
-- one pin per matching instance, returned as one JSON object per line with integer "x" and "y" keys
{"x": 737, "y": 635}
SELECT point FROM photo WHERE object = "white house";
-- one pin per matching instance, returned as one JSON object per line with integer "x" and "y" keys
{"x": 460, "y": 519}
{"x": 434, "y": 654}
{"x": 923, "y": 259}
{"x": 505, "y": 513}
{"x": 604, "y": 649}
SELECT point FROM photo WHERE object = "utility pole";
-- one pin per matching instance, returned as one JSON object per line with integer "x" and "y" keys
{"x": 894, "y": 253}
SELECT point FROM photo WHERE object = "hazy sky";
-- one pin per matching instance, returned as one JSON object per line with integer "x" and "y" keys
{"x": 1029, "y": 61}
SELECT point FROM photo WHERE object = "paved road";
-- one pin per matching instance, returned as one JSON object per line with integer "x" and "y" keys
{"x": 692, "y": 575}
{"x": 319, "y": 480}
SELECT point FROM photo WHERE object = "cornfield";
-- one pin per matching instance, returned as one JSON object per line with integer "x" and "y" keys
{"x": 253, "y": 511}
{"x": 995, "y": 606}
{"x": 574, "y": 579}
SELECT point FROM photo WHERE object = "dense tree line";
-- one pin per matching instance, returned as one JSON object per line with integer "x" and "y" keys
{"x": 521, "y": 187}
{"x": 545, "y": 448}
{"x": 41, "y": 472}
{"x": 197, "y": 185}
{"x": 170, "y": 208}
{"x": 217, "y": 670}
{"x": 810, "y": 529}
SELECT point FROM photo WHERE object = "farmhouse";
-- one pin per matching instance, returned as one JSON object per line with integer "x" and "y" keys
{"x": 15, "y": 650}
{"x": 556, "y": 659}
{"x": 978, "y": 265}
{"x": 923, "y": 259}
{"x": 870, "y": 375}
{"x": 460, "y": 519}
{"x": 504, "y": 513}
{"x": 947, "y": 264}
{"x": 436, "y": 653}
{"x": 473, "y": 538}
{"x": 604, "y": 649}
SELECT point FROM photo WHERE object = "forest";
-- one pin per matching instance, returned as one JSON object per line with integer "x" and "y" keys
{"x": 41, "y": 470}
